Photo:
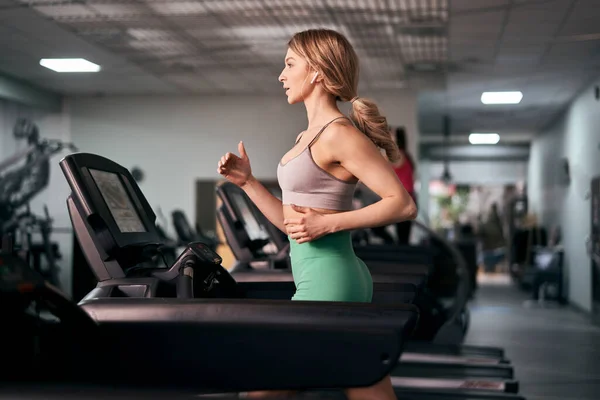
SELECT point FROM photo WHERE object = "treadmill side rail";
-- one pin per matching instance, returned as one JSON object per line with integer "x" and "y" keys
{"x": 248, "y": 344}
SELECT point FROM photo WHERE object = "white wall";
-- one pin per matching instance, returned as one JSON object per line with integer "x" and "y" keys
{"x": 177, "y": 140}
{"x": 546, "y": 192}
{"x": 400, "y": 109}
{"x": 576, "y": 136}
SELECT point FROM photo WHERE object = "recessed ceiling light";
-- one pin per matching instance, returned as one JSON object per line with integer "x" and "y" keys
{"x": 484, "y": 138}
{"x": 69, "y": 65}
{"x": 501, "y": 97}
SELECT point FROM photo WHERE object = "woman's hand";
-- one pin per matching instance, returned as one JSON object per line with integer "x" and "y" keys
{"x": 311, "y": 226}
{"x": 236, "y": 169}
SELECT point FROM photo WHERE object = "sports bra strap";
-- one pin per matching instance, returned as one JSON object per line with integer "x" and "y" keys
{"x": 322, "y": 129}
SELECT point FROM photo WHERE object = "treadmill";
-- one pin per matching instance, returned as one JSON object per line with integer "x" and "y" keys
{"x": 111, "y": 342}
{"x": 395, "y": 255}
{"x": 216, "y": 337}
{"x": 243, "y": 223}
{"x": 189, "y": 324}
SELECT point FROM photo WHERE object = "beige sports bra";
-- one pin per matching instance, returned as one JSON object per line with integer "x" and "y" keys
{"x": 305, "y": 184}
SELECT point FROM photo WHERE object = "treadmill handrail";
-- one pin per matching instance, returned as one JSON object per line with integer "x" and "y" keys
{"x": 250, "y": 311}
{"x": 464, "y": 284}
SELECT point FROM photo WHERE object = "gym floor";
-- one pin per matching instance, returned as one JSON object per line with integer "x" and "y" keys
{"x": 554, "y": 351}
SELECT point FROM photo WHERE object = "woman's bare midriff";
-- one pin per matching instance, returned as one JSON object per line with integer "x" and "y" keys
{"x": 288, "y": 212}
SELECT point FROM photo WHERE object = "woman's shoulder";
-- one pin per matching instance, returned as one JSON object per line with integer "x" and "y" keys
{"x": 342, "y": 131}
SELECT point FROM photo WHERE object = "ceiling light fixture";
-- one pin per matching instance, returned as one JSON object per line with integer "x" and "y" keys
{"x": 501, "y": 97}
{"x": 69, "y": 65}
{"x": 484, "y": 138}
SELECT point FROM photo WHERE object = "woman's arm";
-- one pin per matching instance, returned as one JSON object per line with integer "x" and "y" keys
{"x": 237, "y": 170}
{"x": 359, "y": 156}
{"x": 268, "y": 204}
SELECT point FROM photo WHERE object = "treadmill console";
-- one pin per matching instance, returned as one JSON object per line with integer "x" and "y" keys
{"x": 116, "y": 229}
{"x": 119, "y": 204}
{"x": 112, "y": 220}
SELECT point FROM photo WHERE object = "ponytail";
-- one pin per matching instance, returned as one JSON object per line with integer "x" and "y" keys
{"x": 366, "y": 117}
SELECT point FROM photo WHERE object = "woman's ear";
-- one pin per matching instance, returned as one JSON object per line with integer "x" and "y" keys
{"x": 314, "y": 77}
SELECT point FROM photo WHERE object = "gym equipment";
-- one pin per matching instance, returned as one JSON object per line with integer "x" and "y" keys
{"x": 187, "y": 234}
{"x": 435, "y": 314}
{"x": 70, "y": 337}
{"x": 444, "y": 324}
{"x": 260, "y": 245}
{"x": 124, "y": 324}
{"x": 593, "y": 243}
{"x": 22, "y": 177}
{"x": 114, "y": 224}
{"x": 130, "y": 333}
{"x": 116, "y": 229}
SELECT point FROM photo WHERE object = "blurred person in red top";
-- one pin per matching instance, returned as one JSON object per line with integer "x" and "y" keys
{"x": 405, "y": 170}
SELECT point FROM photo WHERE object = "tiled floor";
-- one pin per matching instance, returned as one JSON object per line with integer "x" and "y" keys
{"x": 555, "y": 351}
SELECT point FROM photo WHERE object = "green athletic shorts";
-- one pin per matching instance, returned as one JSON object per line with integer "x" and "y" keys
{"x": 328, "y": 270}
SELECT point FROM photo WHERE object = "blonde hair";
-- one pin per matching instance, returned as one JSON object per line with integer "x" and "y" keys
{"x": 332, "y": 55}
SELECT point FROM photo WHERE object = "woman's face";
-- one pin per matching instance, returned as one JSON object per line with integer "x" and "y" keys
{"x": 296, "y": 77}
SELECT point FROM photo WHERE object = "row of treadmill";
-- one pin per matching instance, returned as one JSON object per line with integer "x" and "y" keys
{"x": 194, "y": 329}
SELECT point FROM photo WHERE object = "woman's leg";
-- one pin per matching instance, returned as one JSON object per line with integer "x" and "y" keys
{"x": 382, "y": 390}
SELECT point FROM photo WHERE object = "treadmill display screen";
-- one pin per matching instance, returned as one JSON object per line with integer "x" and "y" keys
{"x": 253, "y": 227}
{"x": 120, "y": 205}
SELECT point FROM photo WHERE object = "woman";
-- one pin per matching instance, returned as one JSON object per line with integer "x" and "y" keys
{"x": 319, "y": 174}
{"x": 405, "y": 170}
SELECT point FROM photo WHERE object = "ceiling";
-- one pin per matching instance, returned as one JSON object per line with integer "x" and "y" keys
{"x": 448, "y": 50}
{"x": 224, "y": 46}
{"x": 548, "y": 49}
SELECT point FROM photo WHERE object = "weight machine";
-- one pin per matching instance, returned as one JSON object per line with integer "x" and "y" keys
{"x": 22, "y": 177}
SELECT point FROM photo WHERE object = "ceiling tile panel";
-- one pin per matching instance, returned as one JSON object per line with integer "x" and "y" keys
{"x": 570, "y": 53}
{"x": 471, "y": 28}
{"x": 455, "y": 49}
{"x": 178, "y": 8}
{"x": 583, "y": 19}
{"x": 460, "y": 6}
